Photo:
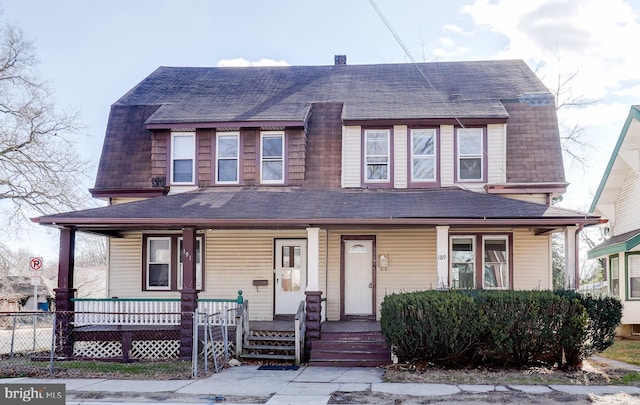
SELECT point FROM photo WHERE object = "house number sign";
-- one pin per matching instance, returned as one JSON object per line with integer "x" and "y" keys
{"x": 442, "y": 257}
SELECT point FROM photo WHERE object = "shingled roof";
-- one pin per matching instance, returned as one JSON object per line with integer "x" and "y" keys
{"x": 255, "y": 207}
{"x": 211, "y": 97}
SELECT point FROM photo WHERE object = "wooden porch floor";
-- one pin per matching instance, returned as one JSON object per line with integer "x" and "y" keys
{"x": 328, "y": 326}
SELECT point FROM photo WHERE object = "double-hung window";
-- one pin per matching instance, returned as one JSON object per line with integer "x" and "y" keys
{"x": 480, "y": 261}
{"x": 272, "y": 157}
{"x": 423, "y": 155}
{"x": 470, "y": 162}
{"x": 614, "y": 271}
{"x": 227, "y": 158}
{"x": 158, "y": 268}
{"x": 162, "y": 262}
{"x": 377, "y": 155}
{"x": 496, "y": 263}
{"x": 633, "y": 269}
{"x": 183, "y": 161}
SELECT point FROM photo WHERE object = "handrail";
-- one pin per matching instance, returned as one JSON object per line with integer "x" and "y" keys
{"x": 242, "y": 326}
{"x": 115, "y": 299}
{"x": 300, "y": 327}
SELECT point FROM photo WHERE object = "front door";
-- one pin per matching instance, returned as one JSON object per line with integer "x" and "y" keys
{"x": 358, "y": 272}
{"x": 291, "y": 274}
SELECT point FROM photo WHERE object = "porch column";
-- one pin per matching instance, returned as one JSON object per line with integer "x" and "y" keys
{"x": 312, "y": 292}
{"x": 188, "y": 294}
{"x": 570, "y": 254}
{"x": 442, "y": 256}
{"x": 65, "y": 292}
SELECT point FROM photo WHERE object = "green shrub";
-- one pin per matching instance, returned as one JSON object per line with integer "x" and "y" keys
{"x": 439, "y": 326}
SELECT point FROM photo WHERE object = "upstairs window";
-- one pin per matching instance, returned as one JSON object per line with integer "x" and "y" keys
{"x": 423, "y": 155}
{"x": 183, "y": 162}
{"x": 377, "y": 156}
{"x": 470, "y": 154}
{"x": 227, "y": 158}
{"x": 272, "y": 158}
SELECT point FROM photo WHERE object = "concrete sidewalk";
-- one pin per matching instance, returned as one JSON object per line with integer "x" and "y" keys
{"x": 307, "y": 385}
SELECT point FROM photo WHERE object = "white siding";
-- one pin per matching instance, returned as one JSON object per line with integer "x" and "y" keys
{"x": 531, "y": 261}
{"x": 400, "y": 156}
{"x": 626, "y": 206}
{"x": 534, "y": 198}
{"x": 447, "y": 156}
{"x": 496, "y": 154}
{"x": 122, "y": 200}
{"x": 351, "y": 156}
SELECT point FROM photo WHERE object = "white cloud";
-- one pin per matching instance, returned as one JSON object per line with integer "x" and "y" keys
{"x": 242, "y": 62}
{"x": 456, "y": 29}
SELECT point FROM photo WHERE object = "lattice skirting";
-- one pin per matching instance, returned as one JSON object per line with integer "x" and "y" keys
{"x": 219, "y": 349}
{"x": 140, "y": 349}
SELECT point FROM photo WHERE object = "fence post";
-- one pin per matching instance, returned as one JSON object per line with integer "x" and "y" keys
{"x": 194, "y": 347}
{"x": 34, "y": 331}
{"x": 53, "y": 342}
{"x": 13, "y": 333}
{"x": 206, "y": 344}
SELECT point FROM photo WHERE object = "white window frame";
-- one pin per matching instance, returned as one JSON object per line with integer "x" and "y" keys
{"x": 504, "y": 238}
{"x": 200, "y": 241}
{"x": 633, "y": 272}
{"x": 365, "y": 160}
{"x": 174, "y": 157}
{"x": 263, "y": 159}
{"x": 460, "y": 156}
{"x": 149, "y": 262}
{"x": 218, "y": 158}
{"x": 614, "y": 270}
{"x": 434, "y": 156}
{"x": 451, "y": 262}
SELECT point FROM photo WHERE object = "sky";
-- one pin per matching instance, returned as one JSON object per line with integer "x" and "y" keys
{"x": 93, "y": 52}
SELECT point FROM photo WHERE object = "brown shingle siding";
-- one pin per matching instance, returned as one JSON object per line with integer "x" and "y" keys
{"x": 249, "y": 139}
{"x": 204, "y": 139}
{"x": 533, "y": 144}
{"x": 324, "y": 146}
{"x": 159, "y": 150}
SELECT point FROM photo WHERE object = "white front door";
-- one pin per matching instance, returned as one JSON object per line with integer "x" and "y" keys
{"x": 358, "y": 277}
{"x": 291, "y": 274}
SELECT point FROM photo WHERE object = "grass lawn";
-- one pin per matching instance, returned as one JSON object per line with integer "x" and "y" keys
{"x": 624, "y": 350}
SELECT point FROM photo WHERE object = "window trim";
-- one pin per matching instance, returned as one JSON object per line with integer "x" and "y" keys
{"x": 483, "y": 155}
{"x": 172, "y": 159}
{"x": 628, "y": 255}
{"x": 217, "y": 158}
{"x": 610, "y": 271}
{"x": 388, "y": 182}
{"x": 273, "y": 134}
{"x": 174, "y": 264}
{"x": 478, "y": 240}
{"x": 412, "y": 182}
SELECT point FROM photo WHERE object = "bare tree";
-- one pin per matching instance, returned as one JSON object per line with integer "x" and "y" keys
{"x": 40, "y": 169}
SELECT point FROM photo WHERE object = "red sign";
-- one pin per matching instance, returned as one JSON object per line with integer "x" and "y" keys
{"x": 35, "y": 263}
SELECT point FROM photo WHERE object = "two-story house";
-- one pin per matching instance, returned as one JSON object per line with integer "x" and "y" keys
{"x": 617, "y": 200}
{"x": 335, "y": 184}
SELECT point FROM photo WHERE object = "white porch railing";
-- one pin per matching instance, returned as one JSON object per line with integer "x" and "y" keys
{"x": 147, "y": 311}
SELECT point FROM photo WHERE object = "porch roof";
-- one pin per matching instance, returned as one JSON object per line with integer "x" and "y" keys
{"x": 620, "y": 243}
{"x": 242, "y": 207}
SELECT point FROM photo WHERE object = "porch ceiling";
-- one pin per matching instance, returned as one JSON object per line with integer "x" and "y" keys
{"x": 295, "y": 207}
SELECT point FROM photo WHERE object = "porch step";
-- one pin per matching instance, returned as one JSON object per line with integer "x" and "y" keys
{"x": 277, "y": 345}
{"x": 350, "y": 349}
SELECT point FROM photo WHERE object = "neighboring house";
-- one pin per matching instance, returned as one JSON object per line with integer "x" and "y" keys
{"x": 336, "y": 184}
{"x": 617, "y": 200}
{"x": 16, "y": 294}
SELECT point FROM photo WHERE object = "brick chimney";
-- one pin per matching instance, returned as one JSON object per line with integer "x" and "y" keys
{"x": 340, "y": 59}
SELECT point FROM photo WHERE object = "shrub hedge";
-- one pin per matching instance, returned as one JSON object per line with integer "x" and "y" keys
{"x": 506, "y": 327}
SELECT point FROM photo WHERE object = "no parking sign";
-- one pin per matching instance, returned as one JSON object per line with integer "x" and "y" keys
{"x": 35, "y": 263}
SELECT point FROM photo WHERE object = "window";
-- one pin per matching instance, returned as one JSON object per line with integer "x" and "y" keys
{"x": 272, "y": 157}
{"x": 377, "y": 156}
{"x": 423, "y": 155}
{"x": 227, "y": 158}
{"x": 158, "y": 263}
{"x": 291, "y": 268}
{"x": 163, "y": 263}
{"x": 198, "y": 263}
{"x": 615, "y": 276}
{"x": 480, "y": 261}
{"x": 183, "y": 162}
{"x": 470, "y": 152}
{"x": 462, "y": 262}
{"x": 633, "y": 268}
{"x": 496, "y": 265}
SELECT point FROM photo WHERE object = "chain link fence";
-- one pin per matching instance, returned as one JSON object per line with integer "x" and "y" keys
{"x": 53, "y": 344}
